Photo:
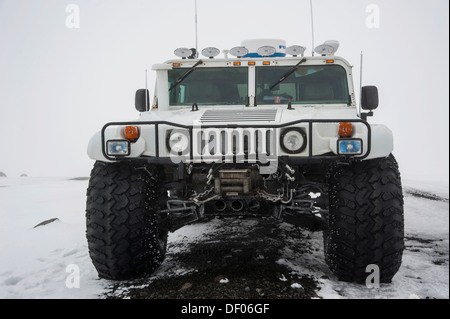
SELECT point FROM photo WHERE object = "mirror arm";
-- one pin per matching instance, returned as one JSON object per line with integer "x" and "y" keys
{"x": 365, "y": 115}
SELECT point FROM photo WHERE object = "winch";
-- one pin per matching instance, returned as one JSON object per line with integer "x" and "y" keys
{"x": 234, "y": 182}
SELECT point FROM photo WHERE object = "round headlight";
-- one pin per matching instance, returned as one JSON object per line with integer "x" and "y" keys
{"x": 293, "y": 141}
{"x": 177, "y": 142}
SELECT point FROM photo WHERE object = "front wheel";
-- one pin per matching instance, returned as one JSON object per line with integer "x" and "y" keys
{"x": 123, "y": 230}
{"x": 365, "y": 220}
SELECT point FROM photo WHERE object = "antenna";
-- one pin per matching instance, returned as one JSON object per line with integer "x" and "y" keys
{"x": 312, "y": 25}
{"x": 147, "y": 102}
{"x": 360, "y": 83}
{"x": 196, "y": 36}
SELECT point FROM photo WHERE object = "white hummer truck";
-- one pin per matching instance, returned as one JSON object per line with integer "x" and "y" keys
{"x": 266, "y": 132}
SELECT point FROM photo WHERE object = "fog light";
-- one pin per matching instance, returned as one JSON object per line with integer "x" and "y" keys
{"x": 118, "y": 148}
{"x": 350, "y": 147}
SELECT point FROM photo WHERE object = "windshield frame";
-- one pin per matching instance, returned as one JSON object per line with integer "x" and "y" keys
{"x": 162, "y": 93}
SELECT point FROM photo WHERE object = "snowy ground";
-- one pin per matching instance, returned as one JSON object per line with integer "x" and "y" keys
{"x": 42, "y": 262}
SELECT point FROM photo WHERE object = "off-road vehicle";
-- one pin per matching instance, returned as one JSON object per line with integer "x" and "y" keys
{"x": 262, "y": 132}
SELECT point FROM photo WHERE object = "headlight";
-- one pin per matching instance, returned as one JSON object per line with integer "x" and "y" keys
{"x": 293, "y": 140}
{"x": 350, "y": 147}
{"x": 118, "y": 147}
{"x": 177, "y": 142}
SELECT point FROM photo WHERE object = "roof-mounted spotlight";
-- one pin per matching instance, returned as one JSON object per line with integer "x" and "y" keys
{"x": 210, "y": 52}
{"x": 266, "y": 51}
{"x": 295, "y": 50}
{"x": 238, "y": 51}
{"x": 183, "y": 53}
{"x": 327, "y": 48}
{"x": 194, "y": 54}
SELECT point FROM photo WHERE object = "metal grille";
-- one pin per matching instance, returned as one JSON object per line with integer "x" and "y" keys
{"x": 234, "y": 144}
{"x": 233, "y": 116}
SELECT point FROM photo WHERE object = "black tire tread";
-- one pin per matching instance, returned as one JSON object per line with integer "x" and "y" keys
{"x": 365, "y": 222}
{"x": 121, "y": 227}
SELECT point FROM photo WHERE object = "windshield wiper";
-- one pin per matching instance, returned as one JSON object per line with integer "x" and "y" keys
{"x": 185, "y": 75}
{"x": 284, "y": 77}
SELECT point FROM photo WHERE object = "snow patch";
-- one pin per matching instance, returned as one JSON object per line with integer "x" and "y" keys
{"x": 296, "y": 286}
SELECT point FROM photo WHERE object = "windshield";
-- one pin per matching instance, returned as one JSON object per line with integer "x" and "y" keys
{"x": 307, "y": 85}
{"x": 210, "y": 86}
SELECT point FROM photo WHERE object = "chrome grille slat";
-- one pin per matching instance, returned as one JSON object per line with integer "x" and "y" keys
{"x": 233, "y": 144}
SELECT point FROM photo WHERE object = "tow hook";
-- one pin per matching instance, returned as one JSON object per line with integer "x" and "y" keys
{"x": 290, "y": 169}
{"x": 289, "y": 177}
{"x": 290, "y": 172}
{"x": 209, "y": 177}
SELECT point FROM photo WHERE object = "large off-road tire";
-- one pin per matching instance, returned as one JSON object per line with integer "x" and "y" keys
{"x": 365, "y": 220}
{"x": 123, "y": 231}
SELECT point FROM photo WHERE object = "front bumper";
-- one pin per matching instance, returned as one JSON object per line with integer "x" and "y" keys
{"x": 231, "y": 143}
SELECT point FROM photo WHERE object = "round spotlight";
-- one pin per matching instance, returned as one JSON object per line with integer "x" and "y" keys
{"x": 238, "y": 51}
{"x": 210, "y": 52}
{"x": 183, "y": 52}
{"x": 295, "y": 50}
{"x": 293, "y": 141}
{"x": 324, "y": 49}
{"x": 327, "y": 48}
{"x": 266, "y": 51}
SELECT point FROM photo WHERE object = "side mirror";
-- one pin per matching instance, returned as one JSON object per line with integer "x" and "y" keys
{"x": 369, "y": 98}
{"x": 142, "y": 100}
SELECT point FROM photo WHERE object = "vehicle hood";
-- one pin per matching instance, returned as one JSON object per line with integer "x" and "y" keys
{"x": 249, "y": 115}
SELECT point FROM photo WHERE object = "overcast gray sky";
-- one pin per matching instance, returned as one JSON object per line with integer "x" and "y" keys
{"x": 58, "y": 86}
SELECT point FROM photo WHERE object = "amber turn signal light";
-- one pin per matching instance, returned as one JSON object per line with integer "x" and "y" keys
{"x": 131, "y": 133}
{"x": 345, "y": 129}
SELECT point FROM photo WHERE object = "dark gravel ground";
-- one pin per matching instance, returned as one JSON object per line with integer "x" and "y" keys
{"x": 234, "y": 259}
